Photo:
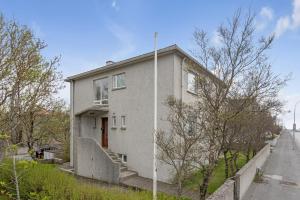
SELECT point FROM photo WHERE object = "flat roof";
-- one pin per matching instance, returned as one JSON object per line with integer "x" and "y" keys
{"x": 167, "y": 50}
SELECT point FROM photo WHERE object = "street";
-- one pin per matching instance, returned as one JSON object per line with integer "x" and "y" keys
{"x": 281, "y": 174}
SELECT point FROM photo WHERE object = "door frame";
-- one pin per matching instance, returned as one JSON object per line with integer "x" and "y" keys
{"x": 104, "y": 132}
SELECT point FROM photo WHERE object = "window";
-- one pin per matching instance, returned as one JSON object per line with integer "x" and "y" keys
{"x": 119, "y": 81}
{"x": 191, "y": 125}
{"x": 123, "y": 157}
{"x": 192, "y": 82}
{"x": 101, "y": 91}
{"x": 123, "y": 122}
{"x": 114, "y": 121}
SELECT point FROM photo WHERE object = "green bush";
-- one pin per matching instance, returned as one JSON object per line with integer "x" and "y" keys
{"x": 46, "y": 182}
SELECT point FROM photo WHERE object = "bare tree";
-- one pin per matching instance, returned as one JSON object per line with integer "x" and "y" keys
{"x": 241, "y": 66}
{"x": 177, "y": 146}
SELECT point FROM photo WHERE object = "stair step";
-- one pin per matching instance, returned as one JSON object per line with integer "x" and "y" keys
{"x": 123, "y": 168}
{"x": 127, "y": 174}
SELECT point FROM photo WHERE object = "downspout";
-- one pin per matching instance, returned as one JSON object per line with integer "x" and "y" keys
{"x": 72, "y": 123}
{"x": 181, "y": 74}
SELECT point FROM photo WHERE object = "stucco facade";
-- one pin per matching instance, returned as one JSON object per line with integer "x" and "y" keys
{"x": 135, "y": 103}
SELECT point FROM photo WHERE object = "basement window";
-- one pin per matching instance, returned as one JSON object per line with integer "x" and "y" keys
{"x": 123, "y": 157}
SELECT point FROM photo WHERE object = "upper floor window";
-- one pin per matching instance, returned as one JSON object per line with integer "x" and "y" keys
{"x": 101, "y": 91}
{"x": 191, "y": 83}
{"x": 119, "y": 81}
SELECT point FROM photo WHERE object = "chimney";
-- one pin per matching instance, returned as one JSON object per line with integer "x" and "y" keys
{"x": 109, "y": 62}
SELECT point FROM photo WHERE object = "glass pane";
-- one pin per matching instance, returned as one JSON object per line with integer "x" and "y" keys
{"x": 121, "y": 80}
{"x": 191, "y": 82}
{"x": 101, "y": 89}
{"x": 105, "y": 89}
{"x": 97, "y": 90}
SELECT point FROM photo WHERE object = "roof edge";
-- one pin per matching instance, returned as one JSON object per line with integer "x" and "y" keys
{"x": 145, "y": 56}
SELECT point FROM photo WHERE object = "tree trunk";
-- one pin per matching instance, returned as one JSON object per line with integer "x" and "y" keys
{"x": 226, "y": 164}
{"x": 248, "y": 154}
{"x": 236, "y": 166}
{"x": 179, "y": 188}
{"x": 204, "y": 186}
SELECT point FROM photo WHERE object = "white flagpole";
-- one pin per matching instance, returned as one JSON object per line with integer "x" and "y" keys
{"x": 155, "y": 120}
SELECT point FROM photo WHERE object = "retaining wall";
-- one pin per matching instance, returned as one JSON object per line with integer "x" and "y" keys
{"x": 225, "y": 192}
{"x": 93, "y": 162}
{"x": 245, "y": 176}
{"x": 235, "y": 189}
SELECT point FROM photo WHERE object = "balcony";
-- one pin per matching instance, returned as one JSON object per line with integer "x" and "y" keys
{"x": 101, "y": 102}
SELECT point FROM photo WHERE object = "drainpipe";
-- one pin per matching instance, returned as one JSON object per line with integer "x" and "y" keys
{"x": 181, "y": 78}
{"x": 72, "y": 123}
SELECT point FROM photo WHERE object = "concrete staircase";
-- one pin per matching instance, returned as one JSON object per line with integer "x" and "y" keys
{"x": 125, "y": 173}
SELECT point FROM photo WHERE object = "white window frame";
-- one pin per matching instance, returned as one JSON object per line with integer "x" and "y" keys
{"x": 194, "y": 91}
{"x": 115, "y": 81}
{"x": 123, "y": 122}
{"x": 101, "y": 101}
{"x": 114, "y": 122}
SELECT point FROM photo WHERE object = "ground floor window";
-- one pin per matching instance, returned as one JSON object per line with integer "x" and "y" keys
{"x": 123, "y": 122}
{"x": 114, "y": 121}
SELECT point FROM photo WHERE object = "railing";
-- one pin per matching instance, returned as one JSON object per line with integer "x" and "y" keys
{"x": 101, "y": 102}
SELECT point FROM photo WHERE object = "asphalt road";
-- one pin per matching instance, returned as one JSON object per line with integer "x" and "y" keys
{"x": 281, "y": 174}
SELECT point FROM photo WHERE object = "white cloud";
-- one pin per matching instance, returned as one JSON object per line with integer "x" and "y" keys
{"x": 125, "y": 38}
{"x": 282, "y": 25}
{"x": 296, "y": 13}
{"x": 265, "y": 16}
{"x": 266, "y": 12}
{"x": 115, "y": 5}
{"x": 289, "y": 22}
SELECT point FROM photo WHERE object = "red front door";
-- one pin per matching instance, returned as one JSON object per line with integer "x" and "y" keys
{"x": 105, "y": 132}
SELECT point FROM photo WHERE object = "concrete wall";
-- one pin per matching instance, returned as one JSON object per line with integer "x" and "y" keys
{"x": 93, "y": 162}
{"x": 225, "y": 192}
{"x": 245, "y": 176}
{"x": 136, "y": 103}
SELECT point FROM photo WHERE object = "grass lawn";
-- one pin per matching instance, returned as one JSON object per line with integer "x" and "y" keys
{"x": 46, "y": 182}
{"x": 218, "y": 177}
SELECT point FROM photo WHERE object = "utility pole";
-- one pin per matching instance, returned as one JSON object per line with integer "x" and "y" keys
{"x": 294, "y": 125}
{"x": 155, "y": 120}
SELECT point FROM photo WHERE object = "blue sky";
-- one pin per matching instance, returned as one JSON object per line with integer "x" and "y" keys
{"x": 86, "y": 33}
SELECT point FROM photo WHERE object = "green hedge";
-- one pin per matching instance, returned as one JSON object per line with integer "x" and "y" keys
{"x": 46, "y": 182}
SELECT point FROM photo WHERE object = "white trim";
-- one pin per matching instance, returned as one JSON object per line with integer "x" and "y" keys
{"x": 115, "y": 81}
{"x": 114, "y": 121}
{"x": 123, "y": 123}
{"x": 195, "y": 82}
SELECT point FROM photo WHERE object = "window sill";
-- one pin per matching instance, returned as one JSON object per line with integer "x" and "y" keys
{"x": 123, "y": 128}
{"x": 113, "y": 128}
{"x": 120, "y": 88}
